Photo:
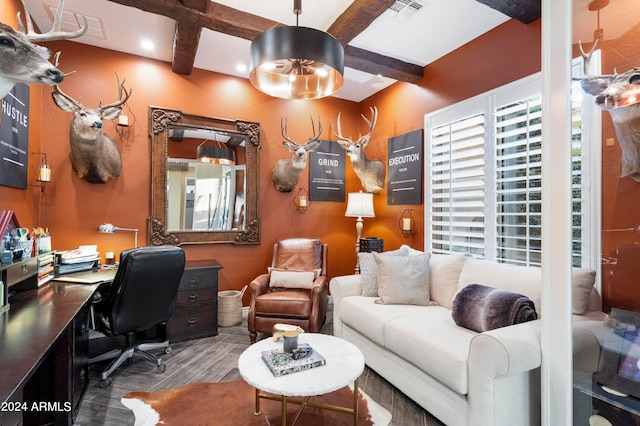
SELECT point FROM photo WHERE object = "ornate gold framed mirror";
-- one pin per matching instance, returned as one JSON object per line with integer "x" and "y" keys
{"x": 204, "y": 179}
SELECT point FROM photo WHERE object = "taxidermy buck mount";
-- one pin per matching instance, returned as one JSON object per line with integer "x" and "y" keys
{"x": 21, "y": 61}
{"x": 370, "y": 172}
{"x": 94, "y": 156}
{"x": 286, "y": 172}
{"x": 618, "y": 94}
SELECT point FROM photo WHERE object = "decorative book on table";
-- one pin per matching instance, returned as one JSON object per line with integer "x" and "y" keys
{"x": 281, "y": 363}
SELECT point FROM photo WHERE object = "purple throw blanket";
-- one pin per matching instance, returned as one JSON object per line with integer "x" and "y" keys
{"x": 481, "y": 308}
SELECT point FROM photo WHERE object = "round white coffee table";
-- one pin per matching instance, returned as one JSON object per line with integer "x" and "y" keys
{"x": 344, "y": 364}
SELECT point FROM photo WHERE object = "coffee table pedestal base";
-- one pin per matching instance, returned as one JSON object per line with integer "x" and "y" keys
{"x": 306, "y": 403}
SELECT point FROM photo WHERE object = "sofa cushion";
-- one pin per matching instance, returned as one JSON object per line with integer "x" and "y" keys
{"x": 526, "y": 280}
{"x": 403, "y": 279}
{"x": 443, "y": 277}
{"x": 369, "y": 270}
{"x": 369, "y": 318}
{"x": 430, "y": 340}
{"x": 518, "y": 279}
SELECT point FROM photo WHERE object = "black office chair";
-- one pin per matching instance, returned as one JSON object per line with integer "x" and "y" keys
{"x": 141, "y": 296}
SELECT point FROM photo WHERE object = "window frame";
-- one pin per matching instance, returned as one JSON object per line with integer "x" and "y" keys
{"x": 486, "y": 103}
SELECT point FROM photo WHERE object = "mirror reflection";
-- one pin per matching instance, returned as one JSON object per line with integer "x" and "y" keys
{"x": 205, "y": 180}
{"x": 204, "y": 186}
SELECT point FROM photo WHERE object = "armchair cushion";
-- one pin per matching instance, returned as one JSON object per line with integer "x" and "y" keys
{"x": 291, "y": 279}
{"x": 291, "y": 304}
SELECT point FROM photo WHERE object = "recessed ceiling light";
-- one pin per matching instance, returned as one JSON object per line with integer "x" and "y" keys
{"x": 241, "y": 68}
{"x": 147, "y": 44}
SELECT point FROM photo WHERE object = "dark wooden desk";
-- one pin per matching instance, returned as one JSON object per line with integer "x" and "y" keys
{"x": 44, "y": 354}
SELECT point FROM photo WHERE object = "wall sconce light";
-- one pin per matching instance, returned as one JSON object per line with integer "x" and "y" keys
{"x": 406, "y": 223}
{"x": 124, "y": 122}
{"x": 44, "y": 171}
{"x": 110, "y": 229}
{"x": 301, "y": 200}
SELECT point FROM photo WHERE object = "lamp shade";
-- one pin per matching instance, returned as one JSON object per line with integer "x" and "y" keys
{"x": 215, "y": 155}
{"x": 360, "y": 204}
{"x": 297, "y": 63}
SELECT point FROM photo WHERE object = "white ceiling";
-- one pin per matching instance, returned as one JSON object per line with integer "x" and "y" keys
{"x": 421, "y": 37}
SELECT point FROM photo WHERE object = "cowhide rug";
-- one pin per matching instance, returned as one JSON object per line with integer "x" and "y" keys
{"x": 233, "y": 403}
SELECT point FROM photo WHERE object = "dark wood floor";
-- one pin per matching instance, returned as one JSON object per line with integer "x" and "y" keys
{"x": 214, "y": 359}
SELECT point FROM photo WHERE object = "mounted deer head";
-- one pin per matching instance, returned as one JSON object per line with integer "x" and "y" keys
{"x": 94, "y": 156}
{"x": 286, "y": 172}
{"x": 620, "y": 95}
{"x": 370, "y": 172}
{"x": 21, "y": 61}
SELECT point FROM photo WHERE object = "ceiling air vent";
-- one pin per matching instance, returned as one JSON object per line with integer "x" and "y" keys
{"x": 407, "y": 8}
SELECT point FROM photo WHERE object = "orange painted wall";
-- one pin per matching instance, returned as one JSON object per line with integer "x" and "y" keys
{"x": 620, "y": 196}
{"x": 72, "y": 208}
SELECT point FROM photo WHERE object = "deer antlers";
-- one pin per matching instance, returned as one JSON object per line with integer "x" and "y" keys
{"x": 55, "y": 33}
{"x": 363, "y": 139}
{"x": 116, "y": 104}
{"x": 315, "y": 137}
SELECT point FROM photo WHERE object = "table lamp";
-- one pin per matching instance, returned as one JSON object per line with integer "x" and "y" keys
{"x": 359, "y": 204}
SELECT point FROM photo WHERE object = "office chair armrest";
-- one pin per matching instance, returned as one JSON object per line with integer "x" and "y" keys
{"x": 259, "y": 285}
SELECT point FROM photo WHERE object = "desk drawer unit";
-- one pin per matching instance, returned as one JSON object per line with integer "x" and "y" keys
{"x": 196, "y": 313}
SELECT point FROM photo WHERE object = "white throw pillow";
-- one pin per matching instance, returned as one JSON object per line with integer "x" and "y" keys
{"x": 444, "y": 275}
{"x": 291, "y": 279}
{"x": 369, "y": 271}
{"x": 316, "y": 272}
{"x": 582, "y": 284}
{"x": 403, "y": 280}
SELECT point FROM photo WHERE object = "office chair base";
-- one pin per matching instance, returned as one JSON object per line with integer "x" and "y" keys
{"x": 127, "y": 354}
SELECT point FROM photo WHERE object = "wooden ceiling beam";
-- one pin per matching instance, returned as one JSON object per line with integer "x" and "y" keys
{"x": 193, "y": 15}
{"x": 525, "y": 11}
{"x": 376, "y": 64}
{"x": 186, "y": 39}
{"x": 357, "y": 18}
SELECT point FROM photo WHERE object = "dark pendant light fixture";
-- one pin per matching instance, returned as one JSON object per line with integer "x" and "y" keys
{"x": 297, "y": 62}
{"x": 215, "y": 154}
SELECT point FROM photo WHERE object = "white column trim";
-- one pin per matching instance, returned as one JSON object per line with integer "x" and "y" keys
{"x": 556, "y": 371}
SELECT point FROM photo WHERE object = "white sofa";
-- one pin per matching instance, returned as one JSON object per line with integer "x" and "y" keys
{"x": 460, "y": 376}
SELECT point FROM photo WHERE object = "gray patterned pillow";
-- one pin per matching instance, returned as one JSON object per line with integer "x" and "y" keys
{"x": 369, "y": 270}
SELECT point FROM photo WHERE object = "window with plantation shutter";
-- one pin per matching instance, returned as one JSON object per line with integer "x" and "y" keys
{"x": 518, "y": 187}
{"x": 483, "y": 180}
{"x": 457, "y": 186}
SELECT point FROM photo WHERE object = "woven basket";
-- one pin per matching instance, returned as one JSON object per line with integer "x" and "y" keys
{"x": 230, "y": 307}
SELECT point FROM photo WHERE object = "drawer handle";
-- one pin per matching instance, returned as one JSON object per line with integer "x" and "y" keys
{"x": 25, "y": 269}
{"x": 193, "y": 297}
{"x": 193, "y": 282}
{"x": 192, "y": 323}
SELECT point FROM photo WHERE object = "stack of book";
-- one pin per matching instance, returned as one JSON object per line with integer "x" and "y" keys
{"x": 81, "y": 259}
{"x": 281, "y": 363}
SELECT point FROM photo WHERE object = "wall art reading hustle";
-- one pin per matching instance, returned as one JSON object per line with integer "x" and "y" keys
{"x": 14, "y": 137}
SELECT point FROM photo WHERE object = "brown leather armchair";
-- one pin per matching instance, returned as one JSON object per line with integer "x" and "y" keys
{"x": 300, "y": 302}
